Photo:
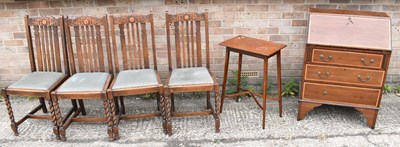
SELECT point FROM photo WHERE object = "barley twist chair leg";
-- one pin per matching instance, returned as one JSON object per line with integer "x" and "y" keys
{"x": 14, "y": 125}
{"x": 54, "y": 119}
{"x": 216, "y": 111}
{"x": 168, "y": 114}
{"x": 61, "y": 131}
{"x": 163, "y": 115}
{"x": 114, "y": 117}
{"x": 107, "y": 112}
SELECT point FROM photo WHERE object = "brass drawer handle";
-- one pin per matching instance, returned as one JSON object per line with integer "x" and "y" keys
{"x": 325, "y": 92}
{"x": 366, "y": 64}
{"x": 325, "y": 60}
{"x": 323, "y": 76}
{"x": 363, "y": 80}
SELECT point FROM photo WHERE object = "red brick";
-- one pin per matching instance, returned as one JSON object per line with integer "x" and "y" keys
{"x": 72, "y": 11}
{"x": 19, "y": 35}
{"x": 293, "y": 15}
{"x": 105, "y": 3}
{"x": 214, "y": 23}
{"x": 293, "y": 1}
{"x": 270, "y": 1}
{"x": 326, "y": 6}
{"x": 8, "y": 13}
{"x": 245, "y": 31}
{"x": 2, "y": 7}
{"x": 385, "y": 1}
{"x": 349, "y": 7}
{"x": 200, "y": 2}
{"x": 8, "y": 28}
{"x": 60, "y": 4}
{"x": 13, "y": 43}
{"x": 246, "y": 1}
{"x": 296, "y": 23}
{"x": 302, "y": 7}
{"x": 279, "y": 37}
{"x": 270, "y": 15}
{"x": 55, "y": 11}
{"x": 246, "y": 15}
{"x": 221, "y": 31}
{"x": 339, "y": 1}
{"x": 233, "y": 8}
{"x": 317, "y": 1}
{"x": 280, "y": 7}
{"x": 223, "y": 2}
{"x": 38, "y": 4}
{"x": 256, "y": 8}
{"x": 117, "y": 10}
{"x": 83, "y": 3}
{"x": 361, "y": 1}
{"x": 16, "y": 5}
{"x": 268, "y": 30}
{"x": 170, "y": 2}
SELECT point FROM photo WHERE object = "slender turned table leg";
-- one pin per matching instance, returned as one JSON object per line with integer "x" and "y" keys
{"x": 278, "y": 64}
{"x": 225, "y": 77}
{"x": 239, "y": 75}
{"x": 265, "y": 84}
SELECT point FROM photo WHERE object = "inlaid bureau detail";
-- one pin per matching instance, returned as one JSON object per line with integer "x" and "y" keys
{"x": 345, "y": 61}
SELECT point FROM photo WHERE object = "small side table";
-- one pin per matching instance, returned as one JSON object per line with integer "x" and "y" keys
{"x": 260, "y": 49}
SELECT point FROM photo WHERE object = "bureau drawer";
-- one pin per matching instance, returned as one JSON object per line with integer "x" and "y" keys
{"x": 356, "y": 76}
{"x": 347, "y": 58}
{"x": 341, "y": 94}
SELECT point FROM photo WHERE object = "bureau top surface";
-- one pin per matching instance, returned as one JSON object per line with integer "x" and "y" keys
{"x": 346, "y": 28}
{"x": 253, "y": 45}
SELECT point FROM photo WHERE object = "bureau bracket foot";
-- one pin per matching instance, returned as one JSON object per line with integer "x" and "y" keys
{"x": 304, "y": 108}
{"x": 370, "y": 115}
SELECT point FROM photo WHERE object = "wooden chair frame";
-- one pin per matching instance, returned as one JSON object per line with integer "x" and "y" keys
{"x": 48, "y": 58}
{"x": 90, "y": 26}
{"x": 135, "y": 56}
{"x": 189, "y": 59}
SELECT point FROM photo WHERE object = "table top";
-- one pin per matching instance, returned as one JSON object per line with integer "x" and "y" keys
{"x": 252, "y": 46}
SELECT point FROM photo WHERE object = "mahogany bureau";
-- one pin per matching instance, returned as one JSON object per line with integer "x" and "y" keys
{"x": 346, "y": 60}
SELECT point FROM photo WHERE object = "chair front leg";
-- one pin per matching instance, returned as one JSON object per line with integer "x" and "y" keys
{"x": 54, "y": 119}
{"x": 167, "y": 113}
{"x": 217, "y": 109}
{"x": 59, "y": 131}
{"x": 163, "y": 112}
{"x": 14, "y": 125}
{"x": 107, "y": 112}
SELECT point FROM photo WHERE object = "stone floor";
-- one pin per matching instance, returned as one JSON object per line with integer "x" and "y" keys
{"x": 240, "y": 126}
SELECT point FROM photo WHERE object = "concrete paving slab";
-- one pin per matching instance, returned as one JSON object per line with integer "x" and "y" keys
{"x": 240, "y": 126}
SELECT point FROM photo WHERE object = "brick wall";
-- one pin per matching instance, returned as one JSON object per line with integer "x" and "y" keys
{"x": 275, "y": 20}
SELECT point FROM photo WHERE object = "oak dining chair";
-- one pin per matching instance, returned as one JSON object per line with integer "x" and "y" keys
{"x": 135, "y": 74}
{"x": 49, "y": 68}
{"x": 89, "y": 60}
{"x": 189, "y": 73}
